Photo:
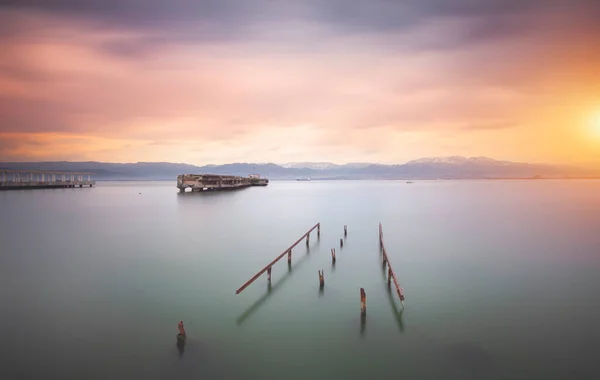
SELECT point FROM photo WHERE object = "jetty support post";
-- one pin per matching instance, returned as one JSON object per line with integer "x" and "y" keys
{"x": 321, "y": 279}
{"x": 345, "y": 230}
{"x": 289, "y": 256}
{"x": 318, "y": 230}
{"x": 391, "y": 272}
{"x": 269, "y": 274}
{"x": 363, "y": 301}
{"x": 268, "y": 267}
{"x": 181, "y": 336}
{"x": 341, "y": 243}
{"x": 333, "y": 255}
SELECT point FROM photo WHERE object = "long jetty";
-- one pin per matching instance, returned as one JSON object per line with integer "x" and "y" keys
{"x": 391, "y": 273}
{"x": 43, "y": 179}
{"x": 288, "y": 251}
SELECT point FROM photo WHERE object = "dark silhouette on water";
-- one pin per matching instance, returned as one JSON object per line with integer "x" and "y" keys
{"x": 395, "y": 310}
{"x": 363, "y": 324}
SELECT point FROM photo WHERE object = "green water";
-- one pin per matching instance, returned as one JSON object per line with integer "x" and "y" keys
{"x": 501, "y": 281}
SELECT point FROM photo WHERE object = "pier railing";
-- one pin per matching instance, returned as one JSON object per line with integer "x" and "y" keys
{"x": 288, "y": 251}
{"x": 391, "y": 273}
{"x": 43, "y": 179}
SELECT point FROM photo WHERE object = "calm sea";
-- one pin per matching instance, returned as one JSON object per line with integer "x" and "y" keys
{"x": 502, "y": 281}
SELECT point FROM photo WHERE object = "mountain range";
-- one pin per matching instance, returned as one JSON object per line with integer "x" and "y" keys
{"x": 455, "y": 167}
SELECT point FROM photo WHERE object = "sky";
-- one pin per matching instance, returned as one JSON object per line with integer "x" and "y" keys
{"x": 213, "y": 82}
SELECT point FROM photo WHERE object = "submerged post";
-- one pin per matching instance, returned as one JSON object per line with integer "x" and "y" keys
{"x": 269, "y": 274}
{"x": 290, "y": 256}
{"x": 345, "y": 230}
{"x": 333, "y": 254}
{"x": 363, "y": 301}
{"x": 341, "y": 242}
{"x": 181, "y": 336}
{"x": 319, "y": 230}
{"x": 321, "y": 279}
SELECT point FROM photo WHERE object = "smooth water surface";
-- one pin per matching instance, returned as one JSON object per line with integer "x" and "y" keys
{"x": 502, "y": 281}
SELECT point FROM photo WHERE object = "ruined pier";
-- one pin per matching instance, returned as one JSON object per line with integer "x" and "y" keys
{"x": 391, "y": 273}
{"x": 43, "y": 179}
{"x": 213, "y": 182}
{"x": 288, "y": 251}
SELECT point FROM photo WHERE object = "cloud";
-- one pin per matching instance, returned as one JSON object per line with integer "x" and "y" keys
{"x": 184, "y": 77}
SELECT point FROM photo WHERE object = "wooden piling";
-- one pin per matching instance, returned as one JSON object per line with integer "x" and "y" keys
{"x": 391, "y": 272}
{"x": 321, "y": 278}
{"x": 345, "y": 230}
{"x": 268, "y": 267}
{"x": 290, "y": 256}
{"x": 363, "y": 301}
{"x": 181, "y": 336}
{"x": 333, "y": 254}
{"x": 269, "y": 274}
{"x": 341, "y": 242}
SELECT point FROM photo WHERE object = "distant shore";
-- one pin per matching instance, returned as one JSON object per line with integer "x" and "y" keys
{"x": 368, "y": 179}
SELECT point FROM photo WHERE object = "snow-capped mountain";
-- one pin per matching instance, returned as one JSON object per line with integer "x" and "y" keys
{"x": 310, "y": 165}
{"x": 324, "y": 165}
{"x": 457, "y": 160}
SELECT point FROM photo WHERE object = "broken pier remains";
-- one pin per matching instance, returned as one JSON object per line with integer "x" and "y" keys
{"x": 391, "y": 273}
{"x": 287, "y": 251}
{"x": 213, "y": 182}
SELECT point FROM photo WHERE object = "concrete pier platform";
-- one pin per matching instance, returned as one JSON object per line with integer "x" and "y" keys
{"x": 213, "y": 182}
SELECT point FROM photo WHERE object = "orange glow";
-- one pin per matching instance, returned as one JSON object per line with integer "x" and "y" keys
{"x": 77, "y": 92}
{"x": 594, "y": 125}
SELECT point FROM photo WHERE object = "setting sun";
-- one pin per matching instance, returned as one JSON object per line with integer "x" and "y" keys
{"x": 595, "y": 124}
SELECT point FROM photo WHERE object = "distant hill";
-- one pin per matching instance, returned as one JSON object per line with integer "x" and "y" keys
{"x": 455, "y": 167}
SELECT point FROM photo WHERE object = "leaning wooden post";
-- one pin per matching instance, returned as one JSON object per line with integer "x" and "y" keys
{"x": 321, "y": 279}
{"x": 333, "y": 255}
{"x": 269, "y": 274}
{"x": 345, "y": 230}
{"x": 341, "y": 242}
{"x": 363, "y": 301}
{"x": 181, "y": 336}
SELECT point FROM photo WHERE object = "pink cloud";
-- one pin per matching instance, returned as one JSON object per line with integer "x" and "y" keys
{"x": 357, "y": 97}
